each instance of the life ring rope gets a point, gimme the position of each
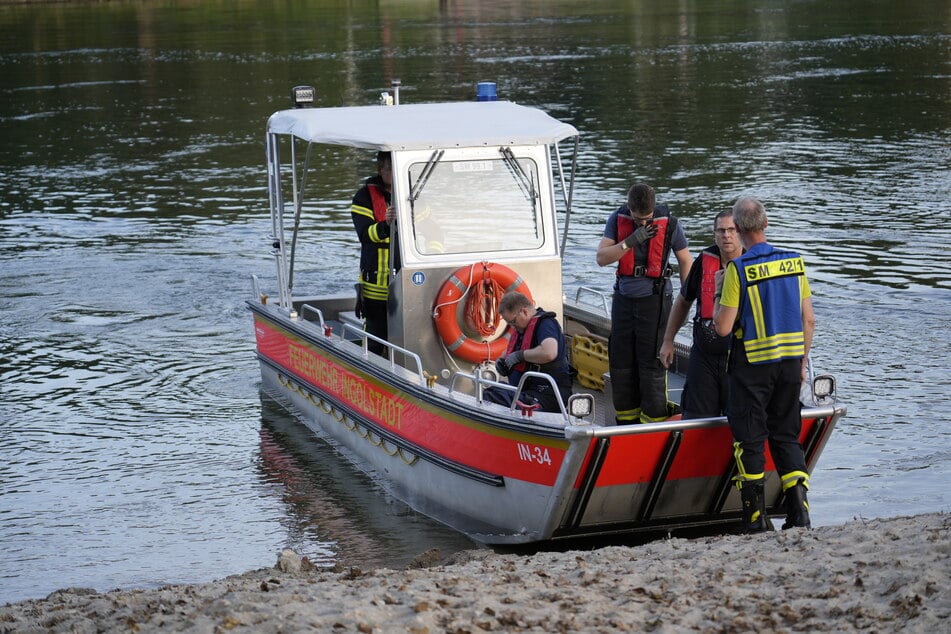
(482, 307)
(448, 323)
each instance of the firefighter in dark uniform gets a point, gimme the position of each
(640, 236)
(536, 343)
(705, 390)
(763, 300)
(372, 214)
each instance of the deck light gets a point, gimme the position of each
(303, 96)
(823, 387)
(580, 405)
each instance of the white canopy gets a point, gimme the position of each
(423, 126)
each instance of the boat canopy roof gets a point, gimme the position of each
(423, 126)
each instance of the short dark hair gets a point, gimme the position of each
(640, 199)
(512, 301)
(382, 158)
(722, 214)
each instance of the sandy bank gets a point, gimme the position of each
(879, 575)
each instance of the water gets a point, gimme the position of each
(135, 448)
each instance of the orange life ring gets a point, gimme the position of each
(449, 299)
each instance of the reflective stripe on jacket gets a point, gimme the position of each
(771, 303)
(375, 257)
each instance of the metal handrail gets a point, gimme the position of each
(390, 347)
(305, 308)
(551, 381)
(481, 381)
(255, 287)
(679, 425)
(602, 295)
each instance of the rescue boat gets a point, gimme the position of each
(496, 177)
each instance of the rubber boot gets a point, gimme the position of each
(754, 508)
(797, 507)
(627, 407)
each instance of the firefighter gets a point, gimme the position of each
(763, 300)
(705, 389)
(640, 236)
(372, 214)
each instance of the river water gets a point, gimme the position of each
(135, 448)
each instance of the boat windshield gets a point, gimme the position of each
(471, 206)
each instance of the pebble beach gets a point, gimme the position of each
(880, 575)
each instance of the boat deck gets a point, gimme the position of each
(604, 407)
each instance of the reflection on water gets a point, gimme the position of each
(336, 513)
(135, 447)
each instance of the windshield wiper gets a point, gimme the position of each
(416, 190)
(525, 182)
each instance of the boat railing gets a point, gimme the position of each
(256, 294)
(681, 425)
(307, 308)
(255, 286)
(482, 382)
(599, 294)
(477, 378)
(391, 350)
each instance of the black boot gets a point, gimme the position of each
(797, 507)
(754, 508)
(622, 383)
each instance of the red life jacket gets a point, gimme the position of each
(379, 202)
(526, 340)
(658, 248)
(710, 264)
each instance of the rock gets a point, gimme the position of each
(427, 559)
(289, 561)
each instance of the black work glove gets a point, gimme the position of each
(515, 358)
(502, 367)
(642, 235)
(358, 308)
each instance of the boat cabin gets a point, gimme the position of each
(476, 209)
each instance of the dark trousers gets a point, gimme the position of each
(375, 323)
(638, 378)
(536, 392)
(764, 406)
(705, 389)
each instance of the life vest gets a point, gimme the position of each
(379, 202)
(709, 265)
(525, 342)
(770, 313)
(705, 336)
(658, 247)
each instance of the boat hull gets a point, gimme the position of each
(487, 471)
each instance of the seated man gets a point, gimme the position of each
(536, 343)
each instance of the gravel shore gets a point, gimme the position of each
(882, 575)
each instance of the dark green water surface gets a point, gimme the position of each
(135, 449)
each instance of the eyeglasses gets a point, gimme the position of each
(720, 231)
(640, 222)
(512, 320)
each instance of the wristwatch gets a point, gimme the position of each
(624, 246)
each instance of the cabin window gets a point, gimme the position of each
(471, 206)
